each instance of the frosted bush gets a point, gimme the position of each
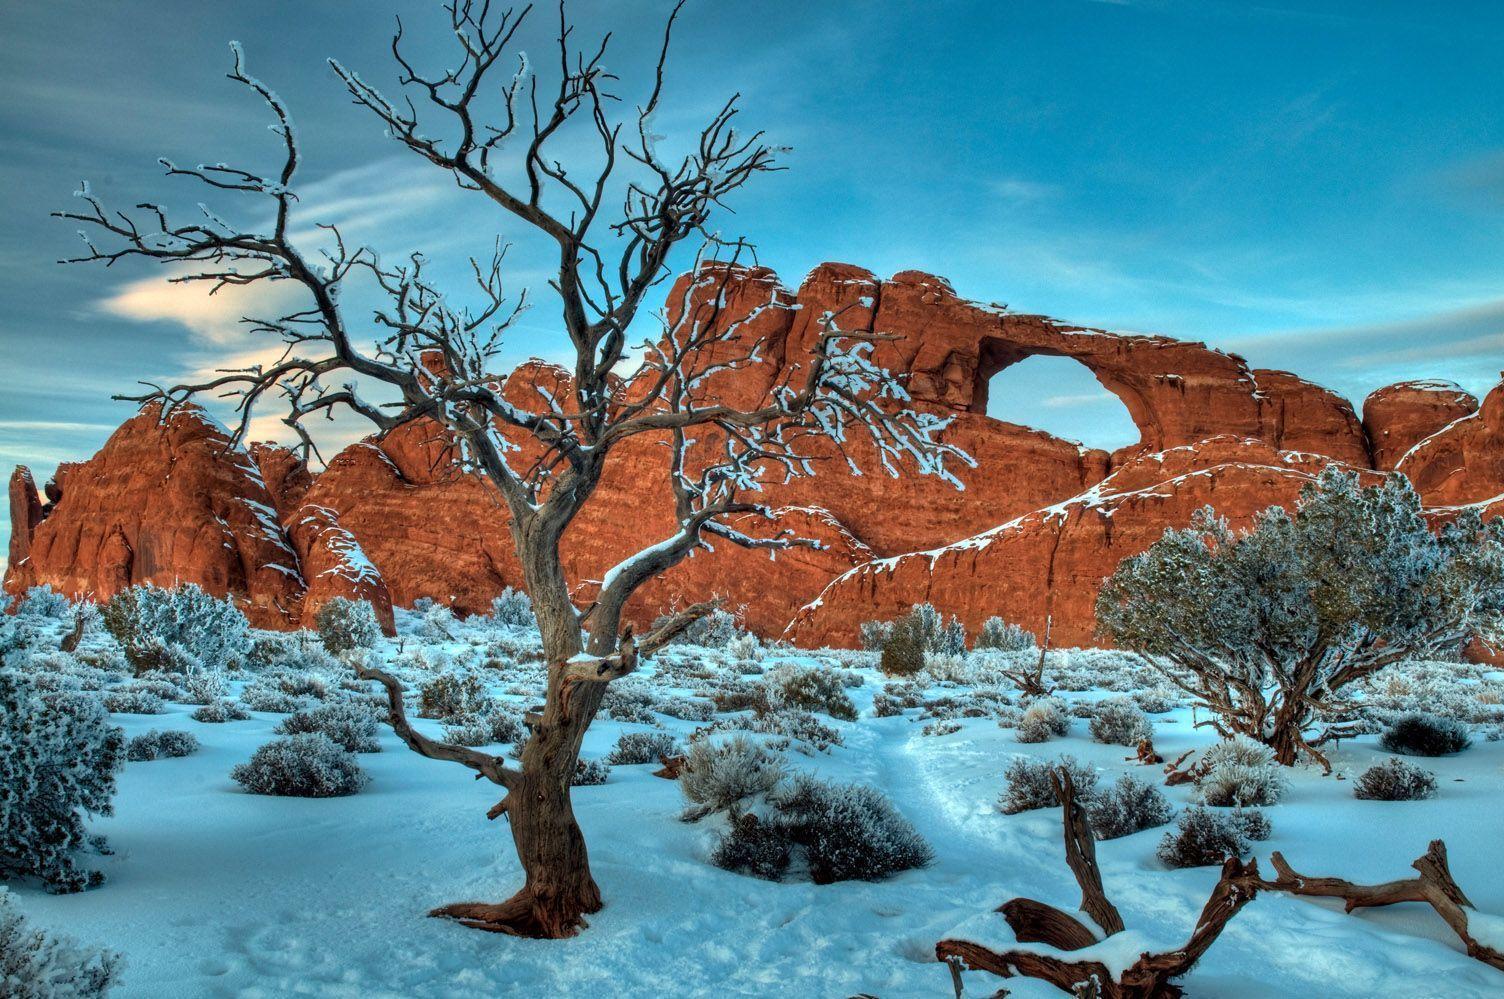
(43, 602)
(301, 766)
(643, 747)
(1120, 722)
(144, 619)
(59, 756)
(874, 634)
(715, 630)
(1156, 700)
(1127, 806)
(903, 649)
(36, 964)
(792, 723)
(625, 702)
(219, 711)
(720, 776)
(1204, 837)
(1240, 772)
(299, 652)
(1042, 719)
(134, 701)
(452, 695)
(351, 724)
(347, 625)
(754, 847)
(812, 689)
(1029, 785)
(588, 773)
(435, 622)
(685, 708)
(1395, 780)
(272, 699)
(744, 648)
(160, 745)
(496, 725)
(514, 609)
(848, 831)
(999, 634)
(1418, 734)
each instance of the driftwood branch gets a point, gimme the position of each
(1081, 855)
(1435, 886)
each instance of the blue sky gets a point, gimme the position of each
(1318, 186)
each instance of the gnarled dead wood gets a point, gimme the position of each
(1435, 887)
(1146, 754)
(1035, 922)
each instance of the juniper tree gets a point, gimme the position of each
(1267, 627)
(510, 135)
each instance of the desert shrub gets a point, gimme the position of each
(36, 964)
(1395, 780)
(1045, 717)
(497, 725)
(1240, 773)
(625, 702)
(1417, 734)
(720, 776)
(296, 653)
(220, 711)
(133, 700)
(1003, 636)
(903, 649)
(715, 630)
(160, 745)
(59, 755)
(873, 635)
(514, 608)
(1119, 722)
(752, 846)
(1204, 837)
(1029, 785)
(143, 619)
(452, 695)
(812, 689)
(685, 708)
(793, 723)
(588, 773)
(848, 831)
(1127, 806)
(643, 747)
(310, 765)
(43, 601)
(350, 724)
(885, 705)
(1156, 700)
(347, 625)
(272, 699)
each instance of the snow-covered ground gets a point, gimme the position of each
(212, 891)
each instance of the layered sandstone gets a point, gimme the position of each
(1398, 417)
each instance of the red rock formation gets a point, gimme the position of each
(1051, 563)
(1398, 417)
(390, 520)
(1464, 461)
(166, 503)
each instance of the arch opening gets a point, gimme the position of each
(1058, 395)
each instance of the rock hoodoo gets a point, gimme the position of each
(1040, 522)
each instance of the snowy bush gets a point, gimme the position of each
(685, 708)
(35, 964)
(146, 618)
(310, 765)
(903, 649)
(514, 609)
(133, 700)
(1417, 734)
(350, 724)
(1156, 700)
(1297, 608)
(874, 634)
(643, 747)
(452, 695)
(220, 711)
(1029, 785)
(812, 689)
(299, 652)
(59, 755)
(1127, 806)
(588, 773)
(1395, 780)
(1204, 837)
(44, 602)
(754, 847)
(1119, 722)
(1045, 717)
(272, 699)
(719, 776)
(627, 703)
(160, 745)
(848, 831)
(347, 625)
(497, 725)
(715, 630)
(793, 723)
(999, 634)
(1239, 773)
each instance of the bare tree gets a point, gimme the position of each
(545, 460)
